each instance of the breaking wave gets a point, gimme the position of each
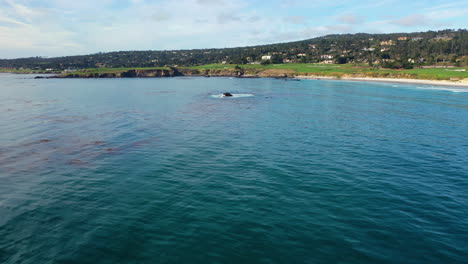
(233, 95)
(441, 88)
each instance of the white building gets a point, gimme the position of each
(326, 56)
(266, 57)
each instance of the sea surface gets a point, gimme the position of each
(167, 171)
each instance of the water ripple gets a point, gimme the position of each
(130, 171)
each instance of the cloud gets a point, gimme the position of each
(298, 20)
(329, 29)
(65, 27)
(412, 21)
(448, 13)
(311, 32)
(435, 16)
(288, 3)
(446, 6)
(350, 19)
(161, 16)
(20, 9)
(419, 20)
(254, 19)
(210, 2)
(225, 18)
(11, 21)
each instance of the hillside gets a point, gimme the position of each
(397, 50)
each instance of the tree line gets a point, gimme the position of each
(396, 50)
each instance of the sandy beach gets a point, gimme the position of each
(392, 80)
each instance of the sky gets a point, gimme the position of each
(52, 28)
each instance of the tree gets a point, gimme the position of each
(341, 60)
(276, 59)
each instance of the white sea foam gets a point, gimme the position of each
(233, 95)
(441, 88)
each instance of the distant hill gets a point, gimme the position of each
(396, 50)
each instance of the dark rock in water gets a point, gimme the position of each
(227, 94)
(39, 77)
(284, 76)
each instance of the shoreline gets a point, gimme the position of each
(461, 84)
(387, 80)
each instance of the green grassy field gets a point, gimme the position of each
(298, 69)
(340, 70)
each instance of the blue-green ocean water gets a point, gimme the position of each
(162, 171)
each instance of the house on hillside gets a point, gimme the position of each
(313, 46)
(301, 55)
(403, 38)
(387, 43)
(327, 62)
(266, 57)
(326, 56)
(442, 38)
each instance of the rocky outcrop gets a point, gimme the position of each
(135, 73)
(277, 73)
(172, 72)
(150, 73)
(212, 72)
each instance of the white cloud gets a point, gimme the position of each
(446, 6)
(299, 20)
(350, 19)
(448, 13)
(66, 27)
(11, 21)
(412, 21)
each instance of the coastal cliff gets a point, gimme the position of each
(310, 71)
(212, 72)
(142, 73)
(134, 73)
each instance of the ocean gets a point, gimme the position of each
(165, 170)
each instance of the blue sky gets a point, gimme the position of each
(64, 27)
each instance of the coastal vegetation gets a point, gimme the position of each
(286, 70)
(433, 55)
(395, 51)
